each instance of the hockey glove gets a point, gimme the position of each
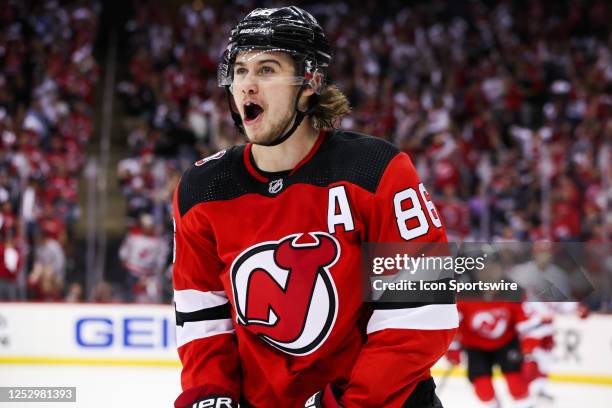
(547, 343)
(583, 311)
(454, 356)
(530, 369)
(213, 401)
(205, 397)
(326, 398)
(528, 344)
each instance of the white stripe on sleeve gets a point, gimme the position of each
(539, 332)
(199, 330)
(191, 300)
(428, 317)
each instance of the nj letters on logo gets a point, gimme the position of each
(284, 292)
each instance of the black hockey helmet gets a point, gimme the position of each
(286, 29)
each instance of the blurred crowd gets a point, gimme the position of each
(505, 107)
(47, 80)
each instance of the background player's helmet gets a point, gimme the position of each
(287, 29)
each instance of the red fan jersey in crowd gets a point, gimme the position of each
(143, 253)
(268, 284)
(456, 217)
(10, 261)
(489, 325)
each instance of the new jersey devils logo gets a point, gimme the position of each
(490, 324)
(284, 292)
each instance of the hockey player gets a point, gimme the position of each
(538, 365)
(269, 308)
(491, 333)
(543, 282)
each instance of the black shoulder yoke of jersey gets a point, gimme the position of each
(349, 156)
(212, 180)
(342, 157)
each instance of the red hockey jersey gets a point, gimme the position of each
(267, 277)
(490, 325)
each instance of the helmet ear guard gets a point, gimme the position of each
(313, 78)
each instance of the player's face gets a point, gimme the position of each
(543, 258)
(264, 89)
(492, 272)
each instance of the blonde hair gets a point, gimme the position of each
(331, 105)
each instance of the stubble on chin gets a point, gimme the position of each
(267, 136)
(260, 138)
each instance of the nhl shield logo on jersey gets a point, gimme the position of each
(275, 186)
(284, 292)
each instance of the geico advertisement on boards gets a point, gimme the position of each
(73, 331)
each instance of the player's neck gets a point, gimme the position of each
(288, 154)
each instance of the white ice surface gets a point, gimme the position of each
(457, 393)
(155, 387)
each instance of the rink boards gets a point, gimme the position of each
(143, 335)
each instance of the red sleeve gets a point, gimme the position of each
(403, 343)
(205, 333)
(532, 324)
(456, 344)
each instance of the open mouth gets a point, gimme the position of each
(252, 111)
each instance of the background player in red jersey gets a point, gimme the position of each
(269, 307)
(493, 333)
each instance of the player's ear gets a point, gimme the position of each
(308, 91)
(304, 98)
(313, 86)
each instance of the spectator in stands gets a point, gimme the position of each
(143, 254)
(103, 293)
(49, 258)
(47, 78)
(45, 286)
(10, 260)
(74, 293)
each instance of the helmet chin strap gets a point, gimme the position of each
(299, 116)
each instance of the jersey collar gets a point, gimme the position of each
(264, 176)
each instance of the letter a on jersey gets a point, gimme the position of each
(284, 292)
(339, 210)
